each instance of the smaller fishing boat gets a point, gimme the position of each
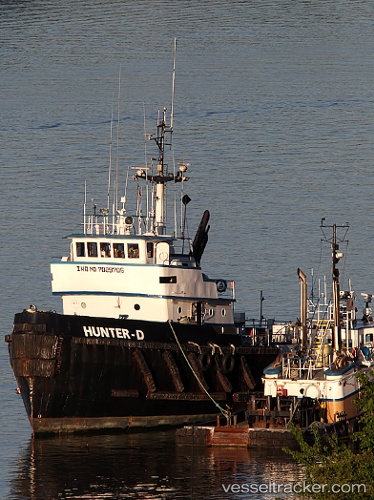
(316, 381)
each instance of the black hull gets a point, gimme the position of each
(81, 373)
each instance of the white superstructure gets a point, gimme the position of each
(139, 278)
(127, 266)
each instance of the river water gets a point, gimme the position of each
(274, 111)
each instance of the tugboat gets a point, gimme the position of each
(315, 384)
(146, 338)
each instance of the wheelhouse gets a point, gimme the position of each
(119, 250)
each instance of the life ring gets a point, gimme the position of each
(228, 363)
(312, 391)
(205, 360)
(221, 286)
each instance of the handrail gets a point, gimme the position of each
(301, 364)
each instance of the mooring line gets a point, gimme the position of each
(225, 413)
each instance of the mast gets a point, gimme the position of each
(336, 256)
(162, 176)
(303, 306)
(173, 85)
(335, 292)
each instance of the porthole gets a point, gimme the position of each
(223, 312)
(83, 305)
(136, 307)
(179, 310)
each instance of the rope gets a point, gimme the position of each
(225, 413)
(293, 413)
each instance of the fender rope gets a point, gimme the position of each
(225, 413)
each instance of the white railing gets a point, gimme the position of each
(298, 368)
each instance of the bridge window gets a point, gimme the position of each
(133, 251)
(105, 249)
(92, 249)
(119, 250)
(150, 250)
(80, 249)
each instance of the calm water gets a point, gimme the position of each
(141, 466)
(274, 111)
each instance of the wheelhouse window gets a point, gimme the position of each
(79, 248)
(133, 251)
(150, 247)
(119, 250)
(92, 249)
(105, 249)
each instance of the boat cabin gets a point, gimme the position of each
(129, 251)
(124, 250)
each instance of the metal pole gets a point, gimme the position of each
(335, 292)
(303, 306)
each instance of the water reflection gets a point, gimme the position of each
(146, 466)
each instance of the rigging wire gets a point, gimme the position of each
(225, 413)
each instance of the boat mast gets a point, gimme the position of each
(162, 176)
(303, 306)
(336, 256)
(335, 292)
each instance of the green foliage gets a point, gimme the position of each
(366, 404)
(333, 466)
(331, 463)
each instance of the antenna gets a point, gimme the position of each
(110, 156)
(175, 216)
(146, 136)
(117, 147)
(173, 85)
(85, 207)
(124, 198)
(175, 202)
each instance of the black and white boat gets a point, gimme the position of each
(146, 338)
